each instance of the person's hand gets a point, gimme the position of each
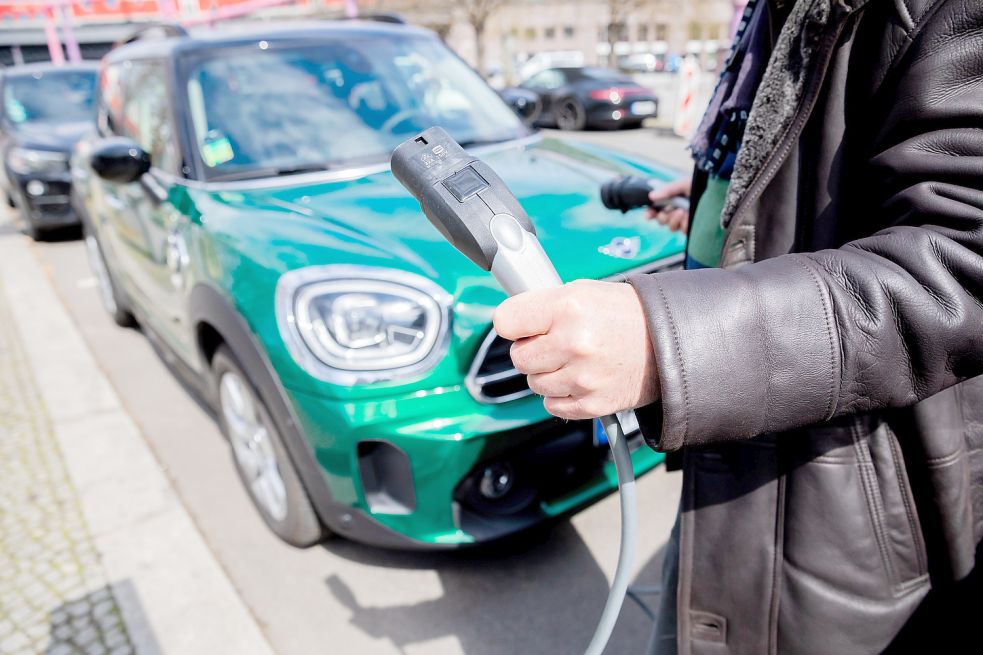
(585, 347)
(673, 218)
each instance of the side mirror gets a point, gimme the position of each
(119, 159)
(526, 104)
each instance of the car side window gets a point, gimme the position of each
(110, 107)
(547, 79)
(146, 118)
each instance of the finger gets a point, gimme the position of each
(669, 190)
(524, 315)
(538, 354)
(662, 217)
(550, 385)
(566, 407)
(677, 220)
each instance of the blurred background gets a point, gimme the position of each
(507, 41)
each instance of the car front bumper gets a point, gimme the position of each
(415, 464)
(45, 199)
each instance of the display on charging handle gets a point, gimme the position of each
(474, 210)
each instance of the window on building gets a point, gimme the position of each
(661, 32)
(695, 31)
(549, 33)
(530, 33)
(568, 31)
(643, 32)
(618, 32)
(714, 31)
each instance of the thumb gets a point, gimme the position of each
(669, 190)
(525, 315)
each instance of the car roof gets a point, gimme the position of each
(245, 33)
(24, 70)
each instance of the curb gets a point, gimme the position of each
(173, 594)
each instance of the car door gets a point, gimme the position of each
(545, 83)
(154, 232)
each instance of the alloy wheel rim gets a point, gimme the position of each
(252, 446)
(101, 273)
(568, 114)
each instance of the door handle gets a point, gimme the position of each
(176, 258)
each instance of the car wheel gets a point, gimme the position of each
(570, 114)
(260, 455)
(112, 300)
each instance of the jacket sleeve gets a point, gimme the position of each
(884, 321)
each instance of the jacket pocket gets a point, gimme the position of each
(890, 503)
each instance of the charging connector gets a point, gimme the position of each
(475, 211)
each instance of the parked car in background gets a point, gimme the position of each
(580, 97)
(642, 62)
(238, 202)
(45, 110)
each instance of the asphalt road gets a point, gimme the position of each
(538, 594)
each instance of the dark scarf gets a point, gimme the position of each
(721, 131)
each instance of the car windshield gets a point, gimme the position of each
(50, 96)
(276, 110)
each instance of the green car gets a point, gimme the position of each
(237, 202)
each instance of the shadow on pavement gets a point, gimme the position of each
(492, 602)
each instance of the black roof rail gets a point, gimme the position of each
(382, 17)
(153, 31)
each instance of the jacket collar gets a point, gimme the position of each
(782, 103)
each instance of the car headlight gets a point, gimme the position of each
(356, 324)
(25, 161)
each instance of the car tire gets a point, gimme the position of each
(570, 114)
(113, 301)
(260, 455)
(32, 230)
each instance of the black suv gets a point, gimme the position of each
(46, 109)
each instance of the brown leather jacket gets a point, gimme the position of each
(824, 385)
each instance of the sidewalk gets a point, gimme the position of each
(97, 553)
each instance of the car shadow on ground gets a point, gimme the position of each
(492, 602)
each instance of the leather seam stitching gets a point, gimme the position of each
(865, 468)
(682, 364)
(829, 336)
(905, 491)
(938, 462)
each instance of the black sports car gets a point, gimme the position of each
(575, 98)
(45, 110)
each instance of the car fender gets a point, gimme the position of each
(209, 307)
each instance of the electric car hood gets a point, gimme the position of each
(51, 135)
(373, 221)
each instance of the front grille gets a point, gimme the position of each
(492, 378)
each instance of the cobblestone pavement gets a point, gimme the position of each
(54, 596)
